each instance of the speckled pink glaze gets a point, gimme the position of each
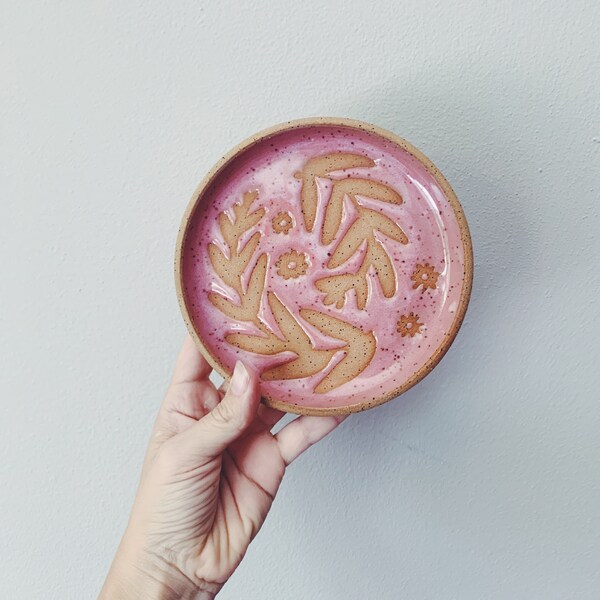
(426, 217)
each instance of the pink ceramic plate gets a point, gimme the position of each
(332, 257)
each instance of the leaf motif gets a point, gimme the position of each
(221, 266)
(371, 188)
(250, 301)
(256, 284)
(352, 187)
(334, 211)
(229, 233)
(249, 249)
(337, 286)
(308, 359)
(362, 229)
(379, 259)
(367, 222)
(305, 365)
(242, 209)
(257, 344)
(244, 219)
(309, 198)
(359, 350)
(247, 200)
(384, 224)
(253, 218)
(353, 239)
(289, 327)
(319, 166)
(226, 306)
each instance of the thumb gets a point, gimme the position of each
(211, 435)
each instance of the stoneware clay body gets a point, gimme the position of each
(332, 257)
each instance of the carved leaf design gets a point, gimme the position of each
(304, 365)
(308, 360)
(336, 286)
(249, 301)
(319, 166)
(230, 269)
(233, 311)
(228, 231)
(244, 220)
(256, 285)
(380, 261)
(291, 337)
(249, 249)
(359, 350)
(289, 327)
(335, 209)
(352, 187)
(380, 222)
(356, 235)
(269, 344)
(367, 222)
(362, 229)
(220, 264)
(336, 161)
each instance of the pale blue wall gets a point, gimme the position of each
(481, 482)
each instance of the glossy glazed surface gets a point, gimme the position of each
(423, 289)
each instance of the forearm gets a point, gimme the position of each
(136, 577)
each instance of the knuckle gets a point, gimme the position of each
(225, 414)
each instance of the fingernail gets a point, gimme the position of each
(239, 380)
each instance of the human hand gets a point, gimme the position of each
(210, 474)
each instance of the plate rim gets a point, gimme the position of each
(467, 279)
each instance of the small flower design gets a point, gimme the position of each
(282, 222)
(426, 276)
(409, 325)
(292, 264)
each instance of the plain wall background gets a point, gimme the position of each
(481, 482)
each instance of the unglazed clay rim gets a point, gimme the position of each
(467, 280)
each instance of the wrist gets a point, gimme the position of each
(141, 575)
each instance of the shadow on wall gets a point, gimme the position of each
(477, 142)
(474, 137)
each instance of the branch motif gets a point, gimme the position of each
(352, 187)
(231, 268)
(320, 166)
(308, 361)
(360, 233)
(358, 349)
(362, 230)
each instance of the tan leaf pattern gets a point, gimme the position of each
(362, 230)
(291, 336)
(352, 187)
(320, 166)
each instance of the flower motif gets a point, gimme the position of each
(292, 264)
(409, 325)
(282, 222)
(426, 276)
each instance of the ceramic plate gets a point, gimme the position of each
(332, 257)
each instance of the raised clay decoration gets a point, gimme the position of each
(329, 255)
